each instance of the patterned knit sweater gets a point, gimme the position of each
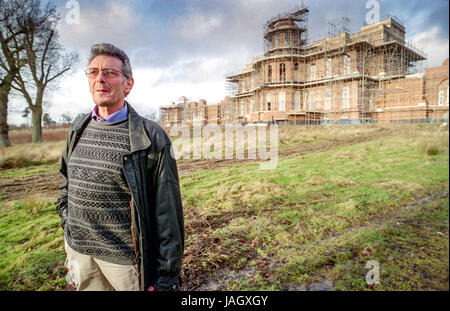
(99, 215)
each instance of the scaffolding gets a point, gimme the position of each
(370, 76)
(346, 78)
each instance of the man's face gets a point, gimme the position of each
(108, 91)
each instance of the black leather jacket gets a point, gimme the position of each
(156, 209)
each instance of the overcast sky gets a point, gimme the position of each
(187, 47)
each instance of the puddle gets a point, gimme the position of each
(224, 276)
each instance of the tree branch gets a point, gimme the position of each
(44, 54)
(22, 88)
(56, 76)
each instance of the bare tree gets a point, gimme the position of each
(48, 121)
(12, 16)
(66, 118)
(46, 61)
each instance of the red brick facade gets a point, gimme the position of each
(361, 77)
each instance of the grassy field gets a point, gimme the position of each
(338, 198)
(24, 136)
(23, 153)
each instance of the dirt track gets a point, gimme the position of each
(187, 167)
(42, 186)
(46, 185)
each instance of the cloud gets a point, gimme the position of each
(186, 47)
(116, 22)
(197, 26)
(433, 44)
(418, 16)
(439, 18)
(193, 71)
(149, 93)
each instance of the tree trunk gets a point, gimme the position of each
(5, 87)
(36, 117)
(4, 138)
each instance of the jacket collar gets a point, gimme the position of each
(139, 139)
(81, 122)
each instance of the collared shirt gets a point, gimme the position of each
(120, 115)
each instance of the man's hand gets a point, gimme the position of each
(152, 289)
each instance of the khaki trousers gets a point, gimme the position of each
(87, 273)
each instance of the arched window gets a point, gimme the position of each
(345, 97)
(268, 101)
(282, 101)
(346, 65)
(296, 72)
(327, 99)
(282, 72)
(297, 101)
(441, 98)
(312, 73)
(269, 73)
(311, 103)
(296, 39)
(305, 101)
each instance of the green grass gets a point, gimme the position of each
(412, 253)
(282, 214)
(31, 247)
(29, 171)
(317, 216)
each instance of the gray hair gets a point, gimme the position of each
(110, 50)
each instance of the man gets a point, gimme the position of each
(120, 202)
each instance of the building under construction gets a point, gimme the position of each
(371, 76)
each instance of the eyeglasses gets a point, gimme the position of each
(107, 72)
